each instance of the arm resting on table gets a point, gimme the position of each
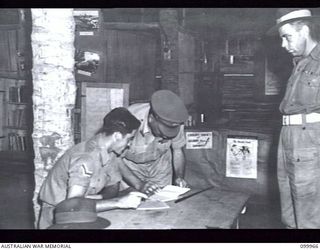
(127, 201)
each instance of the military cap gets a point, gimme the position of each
(169, 110)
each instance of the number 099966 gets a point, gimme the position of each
(308, 245)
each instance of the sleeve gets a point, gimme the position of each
(180, 140)
(80, 171)
(114, 172)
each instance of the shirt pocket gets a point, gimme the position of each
(140, 154)
(308, 88)
(146, 153)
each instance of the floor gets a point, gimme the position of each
(16, 191)
(261, 216)
(16, 201)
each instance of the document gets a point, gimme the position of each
(169, 193)
(152, 205)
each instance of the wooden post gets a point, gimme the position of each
(54, 89)
(170, 45)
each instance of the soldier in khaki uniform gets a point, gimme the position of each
(299, 144)
(87, 169)
(155, 157)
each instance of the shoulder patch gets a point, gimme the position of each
(85, 170)
(83, 162)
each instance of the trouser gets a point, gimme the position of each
(46, 216)
(299, 175)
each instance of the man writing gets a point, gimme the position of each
(156, 158)
(87, 169)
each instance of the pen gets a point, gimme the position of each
(190, 195)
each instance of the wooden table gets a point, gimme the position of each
(213, 208)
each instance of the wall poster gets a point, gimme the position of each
(87, 21)
(86, 62)
(197, 140)
(242, 154)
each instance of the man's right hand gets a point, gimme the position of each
(150, 188)
(131, 200)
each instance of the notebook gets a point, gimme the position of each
(169, 193)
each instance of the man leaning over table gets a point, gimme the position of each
(87, 169)
(156, 157)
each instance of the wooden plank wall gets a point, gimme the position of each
(131, 58)
(186, 67)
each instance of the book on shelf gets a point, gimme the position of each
(17, 141)
(13, 94)
(19, 94)
(17, 118)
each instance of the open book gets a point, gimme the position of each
(157, 200)
(169, 193)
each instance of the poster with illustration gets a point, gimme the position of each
(87, 21)
(242, 154)
(86, 62)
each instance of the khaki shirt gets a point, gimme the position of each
(149, 156)
(303, 89)
(85, 165)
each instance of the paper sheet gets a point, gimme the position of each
(152, 205)
(169, 193)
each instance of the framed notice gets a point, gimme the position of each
(242, 157)
(97, 100)
(86, 62)
(199, 140)
(87, 21)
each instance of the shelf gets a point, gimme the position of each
(15, 155)
(17, 103)
(23, 161)
(16, 128)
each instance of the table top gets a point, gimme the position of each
(213, 208)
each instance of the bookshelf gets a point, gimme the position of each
(15, 87)
(15, 131)
(244, 102)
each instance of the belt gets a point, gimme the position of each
(299, 119)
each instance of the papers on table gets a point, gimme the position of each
(169, 193)
(157, 200)
(152, 205)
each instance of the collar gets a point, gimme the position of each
(144, 128)
(315, 53)
(92, 145)
(104, 157)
